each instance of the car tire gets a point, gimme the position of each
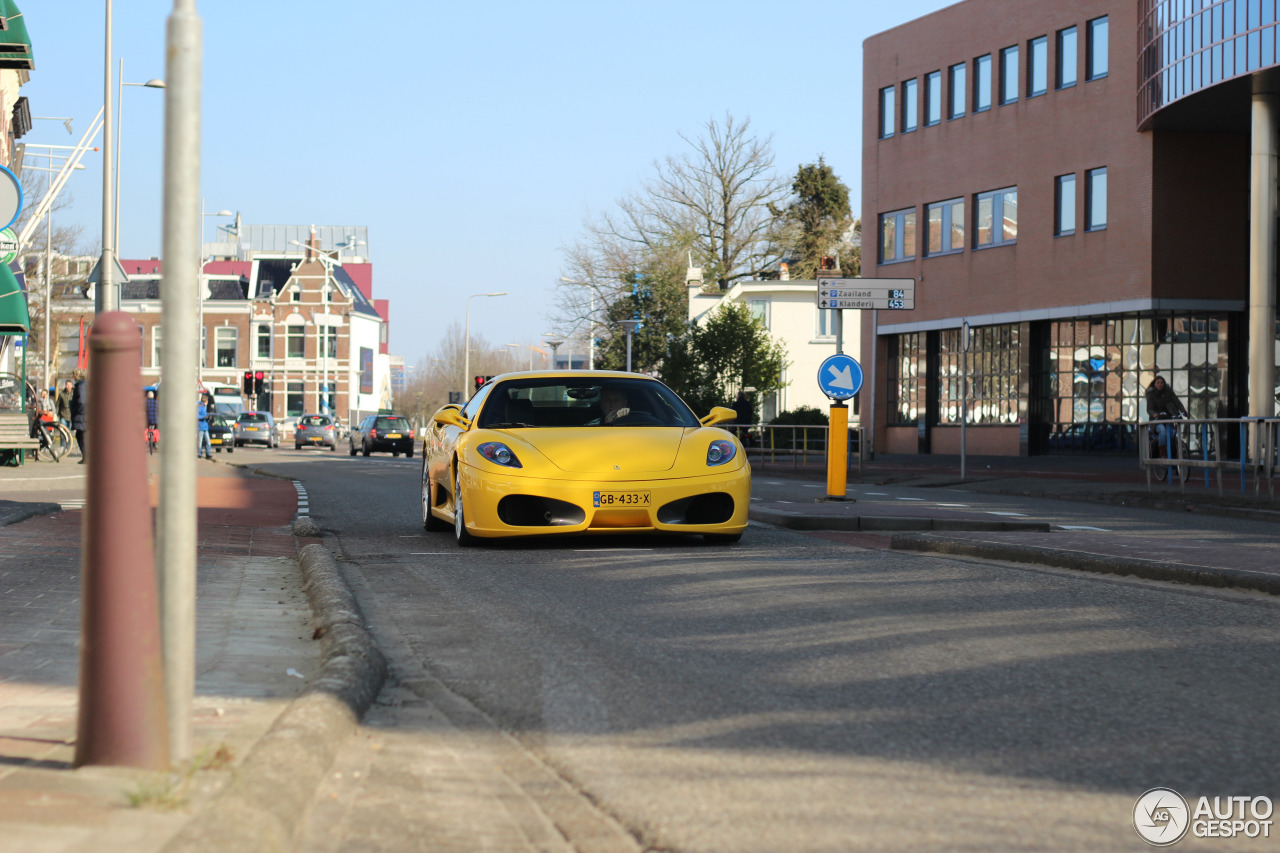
(364, 450)
(460, 533)
(721, 538)
(333, 447)
(430, 523)
(352, 448)
(409, 453)
(395, 453)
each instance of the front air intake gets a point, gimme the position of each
(532, 511)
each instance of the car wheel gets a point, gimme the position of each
(333, 447)
(395, 453)
(430, 523)
(409, 453)
(721, 538)
(465, 539)
(352, 448)
(364, 450)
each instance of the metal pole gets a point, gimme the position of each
(628, 350)
(107, 297)
(176, 543)
(466, 358)
(48, 294)
(591, 333)
(870, 433)
(115, 240)
(964, 391)
(1263, 209)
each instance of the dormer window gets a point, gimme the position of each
(296, 297)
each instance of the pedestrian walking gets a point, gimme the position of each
(745, 415)
(204, 448)
(63, 403)
(79, 408)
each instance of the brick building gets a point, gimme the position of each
(1073, 181)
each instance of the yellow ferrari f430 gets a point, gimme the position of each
(557, 452)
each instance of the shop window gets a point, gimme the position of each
(906, 372)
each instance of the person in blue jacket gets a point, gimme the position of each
(204, 448)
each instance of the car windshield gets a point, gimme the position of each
(583, 402)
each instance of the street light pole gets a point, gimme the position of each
(153, 83)
(107, 295)
(630, 326)
(591, 321)
(466, 346)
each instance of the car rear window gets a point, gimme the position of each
(392, 423)
(315, 420)
(253, 418)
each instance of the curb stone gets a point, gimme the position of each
(1149, 569)
(263, 806)
(882, 523)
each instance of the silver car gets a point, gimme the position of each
(315, 430)
(256, 428)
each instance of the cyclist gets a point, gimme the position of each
(1162, 405)
(153, 416)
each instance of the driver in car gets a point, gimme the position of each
(613, 405)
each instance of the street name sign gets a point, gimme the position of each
(840, 376)
(891, 294)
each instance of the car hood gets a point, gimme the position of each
(607, 450)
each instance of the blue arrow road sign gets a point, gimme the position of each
(840, 376)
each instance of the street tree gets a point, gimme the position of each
(730, 351)
(659, 300)
(818, 220)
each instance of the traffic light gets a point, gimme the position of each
(248, 382)
(479, 382)
(259, 379)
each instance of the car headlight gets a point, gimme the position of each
(721, 451)
(499, 453)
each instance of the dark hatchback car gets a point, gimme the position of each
(315, 431)
(221, 434)
(382, 434)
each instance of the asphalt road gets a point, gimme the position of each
(791, 692)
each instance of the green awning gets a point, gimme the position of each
(14, 319)
(15, 44)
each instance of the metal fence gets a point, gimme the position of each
(1200, 449)
(804, 445)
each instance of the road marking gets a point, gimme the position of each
(755, 499)
(428, 553)
(910, 499)
(879, 494)
(1082, 527)
(965, 505)
(1018, 514)
(592, 550)
(811, 486)
(72, 504)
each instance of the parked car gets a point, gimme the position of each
(315, 431)
(381, 434)
(221, 434)
(256, 428)
(548, 453)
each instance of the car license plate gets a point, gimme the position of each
(316, 438)
(215, 441)
(252, 429)
(612, 499)
(393, 435)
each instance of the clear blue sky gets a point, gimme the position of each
(472, 138)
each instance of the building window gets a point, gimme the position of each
(992, 367)
(826, 323)
(157, 339)
(944, 227)
(1068, 60)
(982, 83)
(204, 346)
(1096, 49)
(888, 112)
(295, 341)
(328, 341)
(898, 236)
(910, 106)
(996, 218)
(759, 309)
(1064, 194)
(295, 399)
(1009, 75)
(905, 375)
(264, 341)
(225, 341)
(957, 83)
(1095, 199)
(1037, 66)
(932, 97)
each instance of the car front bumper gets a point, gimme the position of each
(496, 505)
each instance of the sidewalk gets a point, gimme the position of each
(1242, 561)
(254, 654)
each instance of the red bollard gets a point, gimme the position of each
(122, 716)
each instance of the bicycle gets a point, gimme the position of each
(55, 439)
(1176, 445)
(153, 439)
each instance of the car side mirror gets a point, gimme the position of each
(449, 416)
(718, 415)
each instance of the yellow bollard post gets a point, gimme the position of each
(838, 452)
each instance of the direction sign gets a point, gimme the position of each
(840, 376)
(884, 293)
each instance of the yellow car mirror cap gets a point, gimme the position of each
(449, 416)
(718, 415)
